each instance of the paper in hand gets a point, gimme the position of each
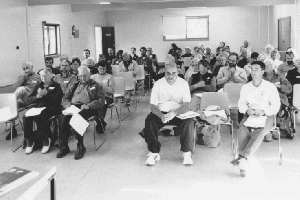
(5, 114)
(187, 115)
(71, 110)
(254, 121)
(34, 111)
(79, 123)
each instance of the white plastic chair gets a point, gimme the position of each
(120, 92)
(115, 69)
(9, 100)
(218, 99)
(233, 91)
(296, 102)
(129, 82)
(140, 76)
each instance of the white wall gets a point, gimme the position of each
(51, 14)
(85, 22)
(13, 33)
(279, 11)
(230, 24)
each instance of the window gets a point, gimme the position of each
(185, 27)
(51, 39)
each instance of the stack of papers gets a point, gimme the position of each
(211, 107)
(34, 111)
(255, 122)
(79, 123)
(5, 114)
(198, 94)
(187, 115)
(220, 113)
(71, 110)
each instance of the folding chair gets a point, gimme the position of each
(115, 69)
(233, 93)
(111, 107)
(129, 82)
(92, 121)
(120, 92)
(276, 129)
(140, 76)
(296, 102)
(218, 99)
(9, 100)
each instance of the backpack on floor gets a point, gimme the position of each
(285, 123)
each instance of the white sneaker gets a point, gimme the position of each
(187, 158)
(45, 149)
(152, 158)
(29, 150)
(243, 166)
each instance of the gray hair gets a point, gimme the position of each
(83, 68)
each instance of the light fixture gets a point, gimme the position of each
(104, 3)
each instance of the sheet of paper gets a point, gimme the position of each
(187, 115)
(71, 110)
(198, 94)
(34, 111)
(167, 127)
(212, 107)
(79, 123)
(220, 113)
(254, 121)
(5, 114)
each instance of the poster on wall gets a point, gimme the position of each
(197, 27)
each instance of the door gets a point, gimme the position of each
(284, 33)
(108, 39)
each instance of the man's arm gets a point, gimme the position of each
(242, 103)
(213, 85)
(286, 86)
(66, 100)
(240, 77)
(221, 78)
(185, 107)
(274, 99)
(20, 81)
(100, 98)
(280, 69)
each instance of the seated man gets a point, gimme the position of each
(231, 73)
(203, 81)
(257, 98)
(88, 95)
(75, 64)
(288, 64)
(24, 86)
(48, 94)
(49, 63)
(171, 90)
(132, 53)
(284, 87)
(147, 62)
(65, 79)
(62, 58)
(293, 76)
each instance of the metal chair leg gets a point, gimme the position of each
(97, 147)
(11, 138)
(111, 109)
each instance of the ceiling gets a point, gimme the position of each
(89, 5)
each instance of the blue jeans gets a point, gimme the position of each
(248, 142)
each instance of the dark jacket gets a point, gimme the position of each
(96, 95)
(147, 62)
(52, 99)
(208, 78)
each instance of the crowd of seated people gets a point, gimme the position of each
(90, 87)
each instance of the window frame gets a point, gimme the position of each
(57, 39)
(191, 39)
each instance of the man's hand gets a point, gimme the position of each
(200, 84)
(84, 107)
(250, 112)
(235, 77)
(170, 115)
(278, 85)
(41, 92)
(258, 112)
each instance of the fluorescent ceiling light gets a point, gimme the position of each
(104, 3)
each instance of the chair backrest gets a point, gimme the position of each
(233, 91)
(119, 86)
(129, 81)
(141, 73)
(9, 100)
(216, 99)
(115, 69)
(296, 96)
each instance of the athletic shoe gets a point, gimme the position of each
(243, 167)
(46, 147)
(29, 148)
(187, 158)
(268, 137)
(152, 158)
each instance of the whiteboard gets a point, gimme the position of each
(174, 27)
(197, 27)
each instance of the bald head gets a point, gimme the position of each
(171, 73)
(27, 67)
(84, 74)
(126, 56)
(63, 57)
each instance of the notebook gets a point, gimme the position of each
(14, 177)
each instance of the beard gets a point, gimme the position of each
(231, 65)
